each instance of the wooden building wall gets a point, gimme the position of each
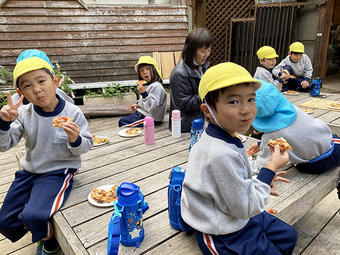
(93, 44)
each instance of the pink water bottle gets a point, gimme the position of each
(149, 130)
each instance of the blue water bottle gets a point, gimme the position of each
(196, 131)
(317, 84)
(126, 223)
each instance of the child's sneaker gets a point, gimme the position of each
(50, 247)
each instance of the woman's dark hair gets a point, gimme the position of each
(156, 76)
(198, 38)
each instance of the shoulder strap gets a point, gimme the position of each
(113, 237)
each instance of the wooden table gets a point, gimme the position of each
(82, 228)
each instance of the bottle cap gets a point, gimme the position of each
(148, 121)
(197, 124)
(176, 115)
(127, 193)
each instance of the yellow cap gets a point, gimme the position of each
(148, 60)
(224, 75)
(27, 65)
(297, 47)
(266, 52)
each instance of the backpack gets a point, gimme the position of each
(174, 199)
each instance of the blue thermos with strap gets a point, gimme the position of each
(317, 84)
(126, 224)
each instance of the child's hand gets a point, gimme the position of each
(140, 88)
(10, 111)
(278, 159)
(132, 107)
(72, 131)
(284, 76)
(253, 149)
(304, 84)
(275, 179)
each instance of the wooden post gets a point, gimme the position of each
(322, 39)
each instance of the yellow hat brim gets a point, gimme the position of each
(150, 61)
(225, 75)
(28, 65)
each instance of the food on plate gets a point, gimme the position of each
(60, 121)
(141, 82)
(99, 140)
(132, 131)
(291, 92)
(284, 145)
(238, 136)
(307, 110)
(102, 196)
(335, 105)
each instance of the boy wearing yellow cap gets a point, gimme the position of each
(267, 59)
(295, 70)
(220, 200)
(152, 101)
(52, 154)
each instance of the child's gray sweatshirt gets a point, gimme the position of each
(309, 138)
(303, 68)
(47, 148)
(153, 101)
(219, 195)
(264, 74)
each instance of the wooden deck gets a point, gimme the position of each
(82, 228)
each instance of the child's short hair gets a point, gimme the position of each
(266, 52)
(150, 61)
(29, 64)
(297, 47)
(198, 38)
(222, 76)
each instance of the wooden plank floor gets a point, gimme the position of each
(318, 231)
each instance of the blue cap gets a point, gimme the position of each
(34, 53)
(197, 124)
(274, 111)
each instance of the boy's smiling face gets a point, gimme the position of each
(295, 57)
(39, 88)
(235, 108)
(268, 63)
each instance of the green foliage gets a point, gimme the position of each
(6, 75)
(65, 80)
(3, 98)
(113, 90)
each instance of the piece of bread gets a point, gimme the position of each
(60, 121)
(141, 82)
(284, 145)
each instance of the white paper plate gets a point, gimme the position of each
(295, 94)
(122, 132)
(98, 144)
(94, 202)
(243, 138)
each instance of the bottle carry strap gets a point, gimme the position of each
(113, 237)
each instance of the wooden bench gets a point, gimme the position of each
(86, 234)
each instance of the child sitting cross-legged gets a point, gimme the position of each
(52, 153)
(220, 200)
(295, 71)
